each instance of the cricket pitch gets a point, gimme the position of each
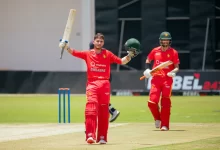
(123, 136)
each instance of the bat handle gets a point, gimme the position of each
(143, 77)
(61, 55)
(62, 49)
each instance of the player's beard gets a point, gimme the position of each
(164, 44)
(98, 47)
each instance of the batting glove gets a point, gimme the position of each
(132, 54)
(147, 73)
(64, 44)
(171, 74)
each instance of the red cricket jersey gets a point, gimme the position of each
(98, 65)
(159, 56)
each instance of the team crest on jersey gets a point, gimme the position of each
(88, 93)
(152, 86)
(168, 55)
(104, 56)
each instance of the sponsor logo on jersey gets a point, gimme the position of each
(97, 70)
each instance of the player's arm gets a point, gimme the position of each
(122, 61)
(176, 69)
(76, 53)
(125, 59)
(69, 50)
(148, 63)
(72, 51)
(147, 72)
(117, 60)
(176, 63)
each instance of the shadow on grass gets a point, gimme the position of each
(170, 130)
(97, 144)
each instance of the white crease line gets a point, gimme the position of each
(9, 134)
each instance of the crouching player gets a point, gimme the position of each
(161, 83)
(98, 62)
(114, 112)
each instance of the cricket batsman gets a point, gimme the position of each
(161, 83)
(98, 62)
(114, 112)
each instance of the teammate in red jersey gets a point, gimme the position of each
(161, 83)
(98, 62)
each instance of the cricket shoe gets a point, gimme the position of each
(115, 115)
(102, 142)
(157, 123)
(164, 128)
(90, 140)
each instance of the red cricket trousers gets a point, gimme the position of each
(96, 111)
(161, 87)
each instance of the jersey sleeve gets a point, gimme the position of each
(79, 54)
(151, 55)
(176, 58)
(114, 58)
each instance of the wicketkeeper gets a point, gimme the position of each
(114, 112)
(98, 62)
(161, 83)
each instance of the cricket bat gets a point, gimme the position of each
(159, 67)
(68, 28)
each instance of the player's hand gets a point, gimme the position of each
(64, 44)
(147, 73)
(171, 74)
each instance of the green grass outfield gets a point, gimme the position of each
(44, 109)
(185, 109)
(207, 144)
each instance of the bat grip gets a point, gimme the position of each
(61, 55)
(62, 49)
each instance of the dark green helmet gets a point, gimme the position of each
(165, 36)
(132, 43)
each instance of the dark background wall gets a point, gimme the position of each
(49, 82)
(145, 20)
(106, 22)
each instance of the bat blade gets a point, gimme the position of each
(69, 25)
(159, 67)
(68, 28)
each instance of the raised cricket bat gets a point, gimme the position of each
(68, 28)
(159, 67)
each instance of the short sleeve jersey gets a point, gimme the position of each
(98, 65)
(159, 56)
